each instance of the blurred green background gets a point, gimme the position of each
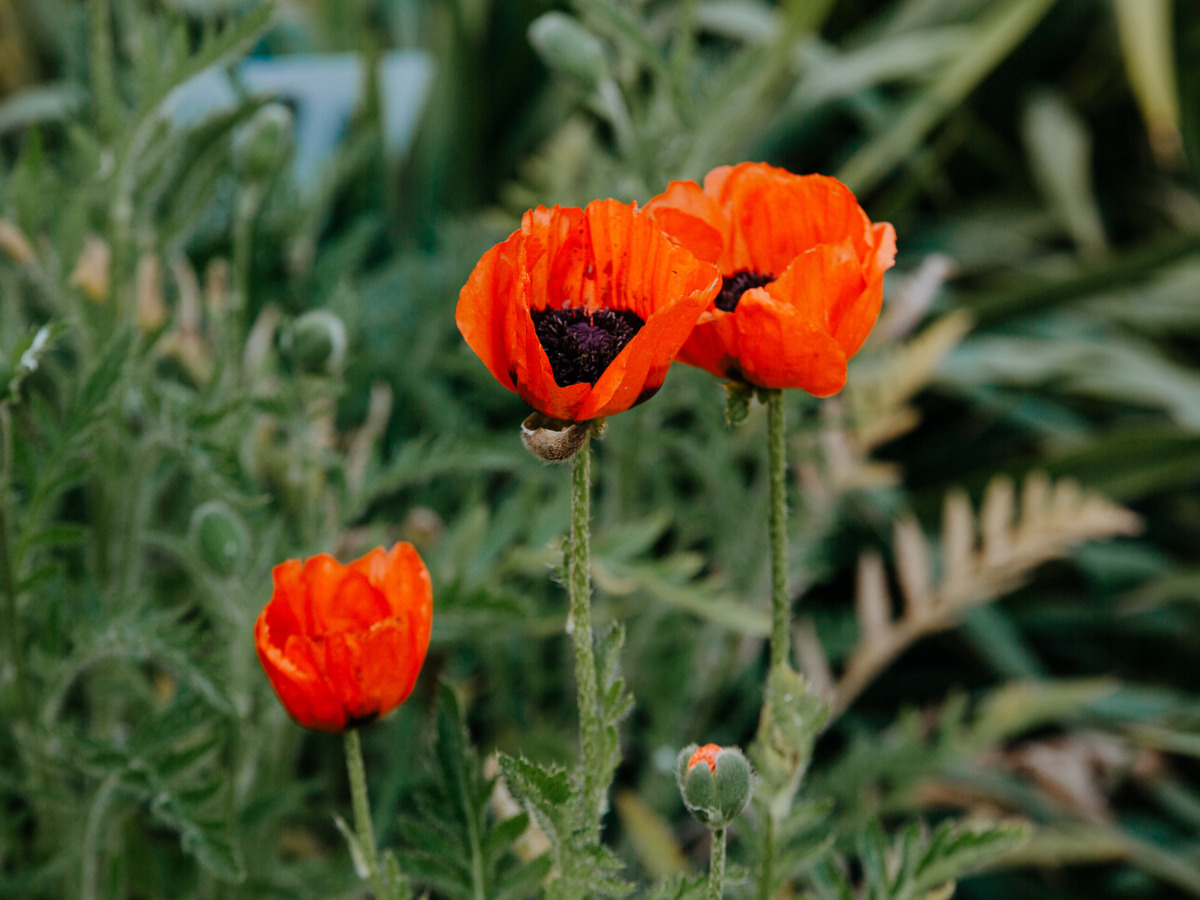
(185, 421)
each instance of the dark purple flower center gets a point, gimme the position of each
(581, 344)
(733, 286)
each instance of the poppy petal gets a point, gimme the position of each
(692, 217)
(298, 680)
(777, 216)
(389, 663)
(790, 349)
(639, 269)
(851, 320)
(490, 327)
(285, 617)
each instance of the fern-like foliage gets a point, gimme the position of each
(916, 864)
(555, 798)
(173, 766)
(454, 843)
(786, 836)
(979, 559)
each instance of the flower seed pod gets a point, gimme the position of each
(716, 783)
(220, 537)
(315, 342)
(555, 440)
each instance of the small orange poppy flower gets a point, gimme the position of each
(581, 311)
(802, 273)
(342, 644)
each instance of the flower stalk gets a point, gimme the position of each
(716, 866)
(363, 828)
(766, 850)
(8, 570)
(579, 627)
(777, 465)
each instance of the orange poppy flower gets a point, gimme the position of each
(802, 274)
(342, 644)
(581, 311)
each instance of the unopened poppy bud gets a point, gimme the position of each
(556, 440)
(566, 46)
(264, 142)
(716, 783)
(220, 537)
(315, 342)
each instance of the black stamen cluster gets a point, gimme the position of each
(737, 284)
(581, 344)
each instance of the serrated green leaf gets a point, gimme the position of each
(872, 853)
(1019, 706)
(956, 850)
(504, 834)
(830, 881)
(523, 880)
(545, 788)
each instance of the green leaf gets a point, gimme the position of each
(995, 36)
(956, 850)
(792, 717)
(545, 789)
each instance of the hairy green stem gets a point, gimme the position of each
(579, 626)
(777, 464)
(98, 826)
(102, 70)
(235, 325)
(7, 571)
(716, 866)
(766, 868)
(363, 828)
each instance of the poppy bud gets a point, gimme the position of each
(716, 783)
(342, 644)
(315, 342)
(220, 537)
(566, 46)
(263, 142)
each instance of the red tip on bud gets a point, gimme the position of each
(707, 753)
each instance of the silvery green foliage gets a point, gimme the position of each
(454, 841)
(916, 864)
(140, 753)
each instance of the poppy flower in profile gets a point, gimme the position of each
(802, 274)
(342, 644)
(581, 311)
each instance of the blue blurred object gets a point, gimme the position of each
(323, 89)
